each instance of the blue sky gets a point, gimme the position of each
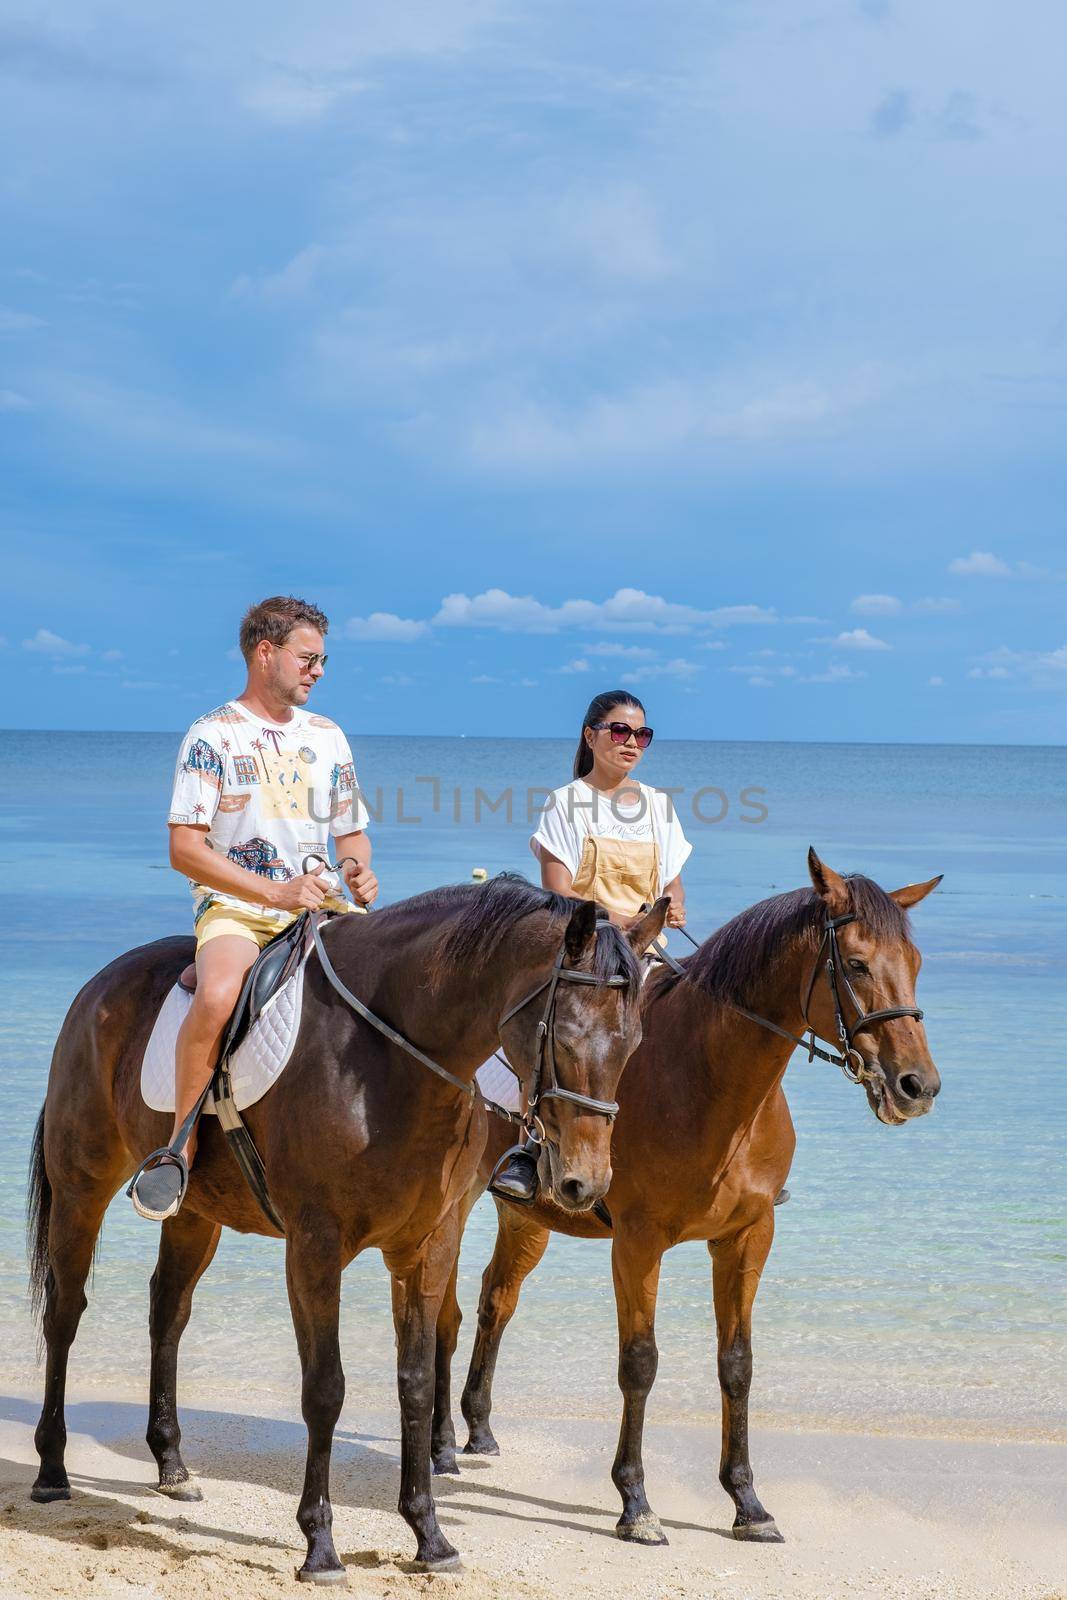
(718, 350)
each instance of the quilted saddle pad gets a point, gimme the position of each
(255, 1065)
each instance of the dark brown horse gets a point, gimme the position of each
(703, 1145)
(363, 1146)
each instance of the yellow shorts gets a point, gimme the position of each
(219, 922)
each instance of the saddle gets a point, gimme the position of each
(272, 968)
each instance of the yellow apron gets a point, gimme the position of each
(620, 874)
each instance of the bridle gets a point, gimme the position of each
(545, 1084)
(851, 1061)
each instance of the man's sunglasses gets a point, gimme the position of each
(621, 731)
(309, 661)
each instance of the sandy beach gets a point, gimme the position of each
(879, 1516)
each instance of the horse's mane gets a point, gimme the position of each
(487, 913)
(733, 960)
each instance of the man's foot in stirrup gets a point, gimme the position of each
(515, 1176)
(158, 1191)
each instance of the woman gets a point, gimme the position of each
(609, 838)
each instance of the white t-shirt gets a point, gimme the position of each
(576, 811)
(269, 793)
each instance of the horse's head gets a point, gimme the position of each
(875, 967)
(571, 1049)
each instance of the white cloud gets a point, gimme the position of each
(678, 668)
(113, 655)
(928, 606)
(980, 564)
(936, 682)
(632, 652)
(292, 97)
(384, 627)
(47, 643)
(11, 400)
(398, 680)
(581, 665)
(627, 608)
(989, 672)
(1056, 659)
(877, 605)
(658, 419)
(759, 682)
(856, 639)
(290, 283)
(834, 674)
(18, 321)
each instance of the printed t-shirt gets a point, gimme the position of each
(269, 793)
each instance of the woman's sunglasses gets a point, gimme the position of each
(621, 731)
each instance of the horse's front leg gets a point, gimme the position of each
(419, 1286)
(313, 1263)
(186, 1245)
(736, 1269)
(635, 1260)
(443, 1430)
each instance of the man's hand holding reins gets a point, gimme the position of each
(305, 893)
(360, 882)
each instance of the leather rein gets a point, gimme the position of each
(545, 1084)
(851, 1061)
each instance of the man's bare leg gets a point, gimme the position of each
(221, 967)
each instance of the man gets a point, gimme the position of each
(260, 784)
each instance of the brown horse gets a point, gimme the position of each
(703, 1145)
(363, 1147)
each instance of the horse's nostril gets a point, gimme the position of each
(911, 1086)
(573, 1191)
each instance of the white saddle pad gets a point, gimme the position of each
(255, 1066)
(499, 1083)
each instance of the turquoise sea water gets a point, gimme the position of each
(918, 1275)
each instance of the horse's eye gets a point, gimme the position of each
(859, 966)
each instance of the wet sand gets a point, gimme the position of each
(896, 1518)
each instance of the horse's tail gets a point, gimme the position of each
(38, 1216)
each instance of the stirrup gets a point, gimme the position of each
(504, 1194)
(164, 1156)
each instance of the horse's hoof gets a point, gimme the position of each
(44, 1495)
(329, 1575)
(758, 1532)
(452, 1563)
(186, 1490)
(645, 1530)
(445, 1464)
(482, 1445)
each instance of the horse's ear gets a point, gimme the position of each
(912, 893)
(830, 886)
(581, 930)
(649, 927)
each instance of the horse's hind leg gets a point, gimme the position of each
(186, 1246)
(735, 1274)
(520, 1243)
(73, 1223)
